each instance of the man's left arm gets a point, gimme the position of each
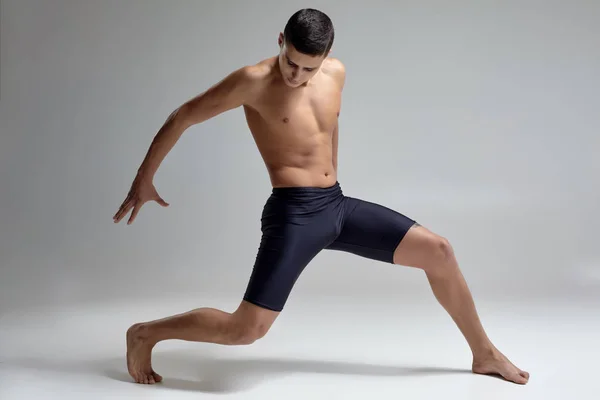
(335, 145)
(341, 79)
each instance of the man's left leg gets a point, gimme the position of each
(376, 232)
(432, 253)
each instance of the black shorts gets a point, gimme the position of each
(298, 222)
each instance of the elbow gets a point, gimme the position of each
(183, 117)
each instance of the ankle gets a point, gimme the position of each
(485, 352)
(142, 331)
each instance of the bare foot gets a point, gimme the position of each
(496, 363)
(139, 352)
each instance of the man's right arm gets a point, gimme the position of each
(231, 92)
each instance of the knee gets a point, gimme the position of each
(248, 333)
(441, 254)
(445, 249)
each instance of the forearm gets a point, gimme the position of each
(161, 145)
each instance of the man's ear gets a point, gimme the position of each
(280, 39)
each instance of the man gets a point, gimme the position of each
(292, 104)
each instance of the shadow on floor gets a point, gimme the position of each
(190, 372)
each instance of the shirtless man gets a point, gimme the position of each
(292, 103)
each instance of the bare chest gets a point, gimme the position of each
(310, 110)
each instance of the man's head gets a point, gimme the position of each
(305, 43)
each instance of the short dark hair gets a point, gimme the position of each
(310, 31)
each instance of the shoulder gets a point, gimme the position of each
(335, 68)
(254, 78)
(257, 72)
(336, 65)
(243, 83)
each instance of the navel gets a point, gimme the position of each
(286, 120)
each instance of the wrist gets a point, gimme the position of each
(144, 174)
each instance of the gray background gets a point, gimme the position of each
(478, 119)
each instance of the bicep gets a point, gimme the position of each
(229, 93)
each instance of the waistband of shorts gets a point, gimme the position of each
(308, 190)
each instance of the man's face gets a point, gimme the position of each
(297, 68)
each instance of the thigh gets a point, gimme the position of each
(371, 230)
(286, 248)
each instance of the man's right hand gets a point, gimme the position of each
(142, 190)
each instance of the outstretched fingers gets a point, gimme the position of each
(135, 201)
(125, 207)
(129, 203)
(134, 213)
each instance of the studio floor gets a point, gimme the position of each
(318, 349)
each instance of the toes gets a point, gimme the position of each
(517, 378)
(151, 378)
(146, 378)
(524, 374)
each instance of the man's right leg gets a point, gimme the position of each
(242, 327)
(296, 226)
(294, 231)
